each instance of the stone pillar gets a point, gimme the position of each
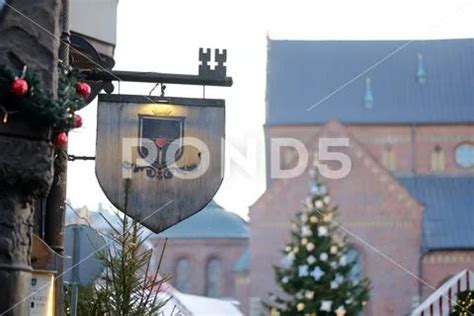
(26, 173)
(29, 36)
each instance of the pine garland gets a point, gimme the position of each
(38, 106)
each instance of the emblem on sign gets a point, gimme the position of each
(159, 159)
(162, 131)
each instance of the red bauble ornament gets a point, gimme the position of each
(60, 140)
(83, 89)
(77, 121)
(19, 87)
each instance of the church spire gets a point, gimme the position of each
(369, 97)
(421, 74)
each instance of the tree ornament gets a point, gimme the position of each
(323, 256)
(296, 249)
(317, 273)
(300, 307)
(83, 90)
(309, 295)
(340, 311)
(303, 271)
(343, 261)
(294, 227)
(284, 280)
(287, 261)
(313, 219)
(310, 246)
(304, 241)
(333, 250)
(322, 231)
(77, 121)
(339, 279)
(328, 217)
(318, 204)
(326, 306)
(334, 285)
(60, 140)
(306, 231)
(19, 87)
(311, 259)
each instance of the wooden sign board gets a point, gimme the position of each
(159, 159)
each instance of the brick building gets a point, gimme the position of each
(204, 250)
(407, 108)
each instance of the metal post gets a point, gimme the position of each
(55, 202)
(76, 254)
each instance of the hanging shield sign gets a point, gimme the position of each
(159, 160)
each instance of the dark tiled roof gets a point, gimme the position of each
(303, 73)
(243, 264)
(448, 221)
(212, 222)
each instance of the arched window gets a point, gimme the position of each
(183, 283)
(214, 275)
(438, 159)
(388, 158)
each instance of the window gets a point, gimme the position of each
(182, 275)
(438, 160)
(388, 158)
(465, 155)
(214, 277)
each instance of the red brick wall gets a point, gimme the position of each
(440, 265)
(242, 290)
(401, 139)
(383, 219)
(199, 252)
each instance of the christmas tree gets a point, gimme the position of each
(319, 270)
(464, 305)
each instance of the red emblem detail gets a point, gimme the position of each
(160, 142)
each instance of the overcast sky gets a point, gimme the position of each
(165, 36)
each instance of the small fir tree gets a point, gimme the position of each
(317, 272)
(130, 286)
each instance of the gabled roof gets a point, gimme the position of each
(332, 74)
(448, 218)
(213, 222)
